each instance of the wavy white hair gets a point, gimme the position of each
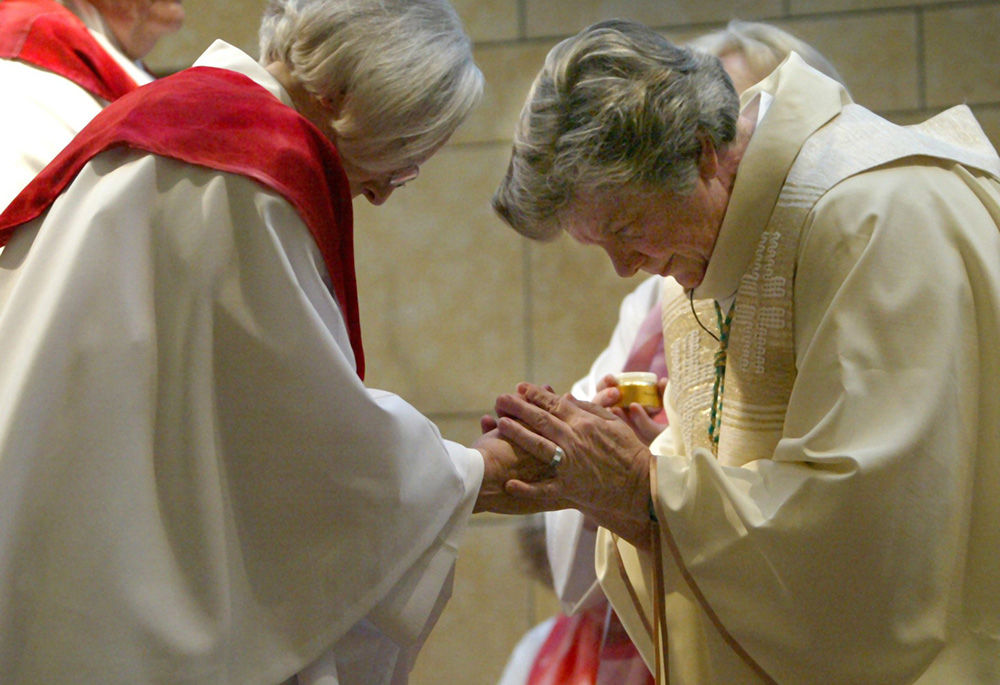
(615, 106)
(403, 70)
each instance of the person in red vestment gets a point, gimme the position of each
(196, 486)
(61, 63)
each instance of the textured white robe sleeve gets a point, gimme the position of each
(632, 312)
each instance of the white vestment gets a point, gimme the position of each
(43, 111)
(866, 549)
(631, 313)
(195, 485)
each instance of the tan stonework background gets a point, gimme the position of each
(456, 308)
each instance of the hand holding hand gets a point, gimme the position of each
(606, 468)
(504, 461)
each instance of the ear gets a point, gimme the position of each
(334, 104)
(708, 160)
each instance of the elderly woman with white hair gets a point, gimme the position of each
(196, 486)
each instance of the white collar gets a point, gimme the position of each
(222, 55)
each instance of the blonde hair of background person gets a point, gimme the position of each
(137, 25)
(750, 50)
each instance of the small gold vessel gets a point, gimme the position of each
(639, 386)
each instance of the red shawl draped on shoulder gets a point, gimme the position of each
(47, 35)
(222, 120)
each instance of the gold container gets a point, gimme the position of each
(639, 386)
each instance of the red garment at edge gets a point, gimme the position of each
(221, 120)
(589, 648)
(45, 34)
(569, 656)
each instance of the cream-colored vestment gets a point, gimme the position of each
(846, 530)
(195, 485)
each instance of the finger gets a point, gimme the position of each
(641, 414)
(536, 445)
(487, 423)
(608, 381)
(535, 418)
(544, 490)
(619, 413)
(589, 407)
(609, 397)
(505, 503)
(644, 425)
(539, 396)
(524, 386)
(563, 407)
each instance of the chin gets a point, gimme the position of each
(688, 280)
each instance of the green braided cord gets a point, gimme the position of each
(715, 420)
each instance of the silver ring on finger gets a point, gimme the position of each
(557, 457)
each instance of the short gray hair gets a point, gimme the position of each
(616, 106)
(763, 46)
(405, 68)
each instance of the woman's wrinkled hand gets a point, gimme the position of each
(605, 471)
(503, 461)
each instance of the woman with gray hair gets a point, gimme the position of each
(817, 509)
(613, 107)
(749, 51)
(353, 65)
(197, 487)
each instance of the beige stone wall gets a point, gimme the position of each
(456, 308)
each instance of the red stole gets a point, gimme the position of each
(47, 35)
(222, 120)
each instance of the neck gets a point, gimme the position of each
(732, 155)
(307, 104)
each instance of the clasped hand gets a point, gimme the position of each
(605, 472)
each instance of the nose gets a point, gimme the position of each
(626, 263)
(376, 193)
